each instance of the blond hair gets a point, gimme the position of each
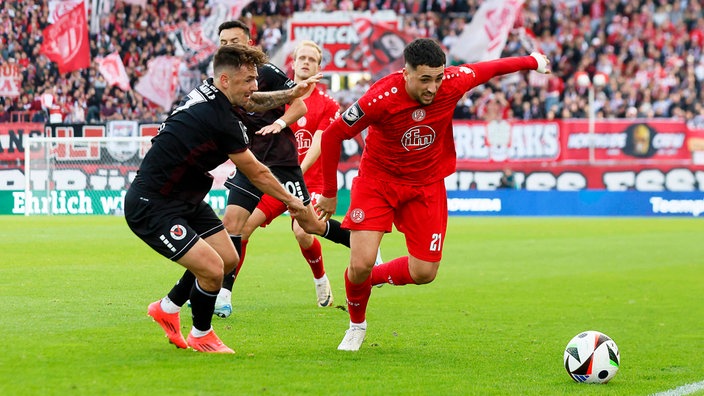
(309, 43)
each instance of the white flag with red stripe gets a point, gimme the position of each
(113, 70)
(10, 80)
(485, 36)
(160, 84)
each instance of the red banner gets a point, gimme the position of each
(538, 152)
(569, 141)
(626, 140)
(12, 137)
(66, 41)
(351, 42)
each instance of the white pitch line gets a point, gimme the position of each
(683, 390)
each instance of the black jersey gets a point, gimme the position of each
(194, 139)
(274, 149)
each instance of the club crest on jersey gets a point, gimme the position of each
(177, 232)
(357, 215)
(418, 138)
(352, 114)
(304, 140)
(418, 115)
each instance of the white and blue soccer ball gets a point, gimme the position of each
(592, 357)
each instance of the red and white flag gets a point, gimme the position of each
(10, 80)
(66, 41)
(380, 48)
(485, 37)
(160, 84)
(113, 70)
(58, 8)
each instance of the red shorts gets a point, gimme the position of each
(420, 212)
(271, 207)
(274, 208)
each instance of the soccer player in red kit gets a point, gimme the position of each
(408, 153)
(322, 110)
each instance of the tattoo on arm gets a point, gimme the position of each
(262, 101)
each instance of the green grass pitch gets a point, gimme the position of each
(511, 292)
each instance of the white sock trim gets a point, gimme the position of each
(200, 333)
(362, 325)
(168, 306)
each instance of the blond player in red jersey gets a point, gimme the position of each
(408, 153)
(322, 110)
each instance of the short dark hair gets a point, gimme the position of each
(236, 56)
(424, 52)
(234, 24)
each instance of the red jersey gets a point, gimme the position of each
(322, 110)
(408, 143)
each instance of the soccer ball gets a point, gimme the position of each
(592, 357)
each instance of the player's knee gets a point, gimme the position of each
(359, 270)
(424, 278)
(211, 274)
(424, 273)
(233, 224)
(230, 264)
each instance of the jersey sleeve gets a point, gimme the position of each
(475, 74)
(271, 78)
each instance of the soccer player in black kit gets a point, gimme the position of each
(274, 144)
(164, 205)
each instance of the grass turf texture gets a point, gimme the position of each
(511, 292)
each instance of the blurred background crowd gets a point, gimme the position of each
(651, 51)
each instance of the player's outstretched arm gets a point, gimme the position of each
(263, 101)
(264, 180)
(485, 71)
(296, 110)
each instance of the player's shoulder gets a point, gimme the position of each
(385, 94)
(459, 72)
(271, 70)
(323, 96)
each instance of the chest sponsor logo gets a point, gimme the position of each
(418, 138)
(353, 114)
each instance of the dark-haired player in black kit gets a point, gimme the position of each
(164, 205)
(274, 145)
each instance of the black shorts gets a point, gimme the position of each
(243, 193)
(171, 227)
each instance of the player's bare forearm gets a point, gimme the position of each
(263, 101)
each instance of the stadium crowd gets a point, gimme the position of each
(651, 51)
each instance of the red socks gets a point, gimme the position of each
(314, 257)
(357, 299)
(242, 253)
(395, 272)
